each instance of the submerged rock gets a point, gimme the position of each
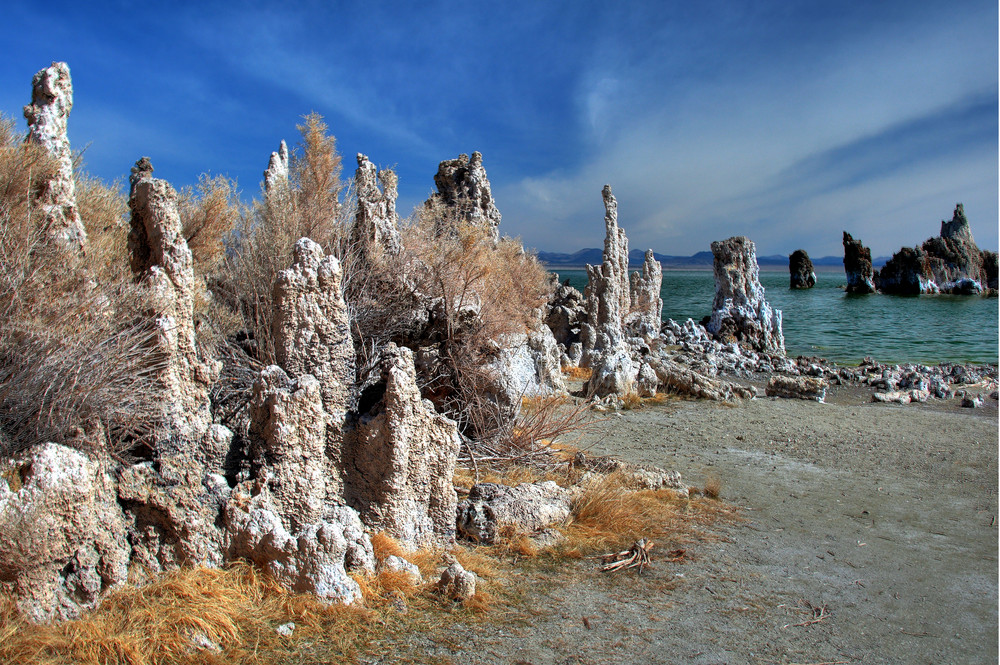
(801, 271)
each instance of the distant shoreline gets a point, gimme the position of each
(557, 268)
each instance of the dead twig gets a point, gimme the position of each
(819, 613)
(636, 557)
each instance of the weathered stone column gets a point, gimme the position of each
(47, 116)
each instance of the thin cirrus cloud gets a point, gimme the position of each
(784, 121)
(788, 150)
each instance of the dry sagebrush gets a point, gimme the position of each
(73, 341)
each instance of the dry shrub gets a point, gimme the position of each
(607, 516)
(631, 401)
(712, 488)
(484, 293)
(73, 339)
(209, 213)
(260, 244)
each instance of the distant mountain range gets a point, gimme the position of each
(701, 260)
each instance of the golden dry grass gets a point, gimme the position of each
(580, 373)
(607, 516)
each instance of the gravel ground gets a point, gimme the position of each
(878, 520)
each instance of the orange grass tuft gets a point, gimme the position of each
(580, 373)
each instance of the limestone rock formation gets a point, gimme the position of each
(376, 218)
(613, 370)
(463, 190)
(566, 314)
(314, 558)
(607, 293)
(276, 175)
(907, 272)
(312, 333)
(801, 271)
(949, 263)
(646, 305)
(160, 259)
(739, 310)
(456, 582)
(798, 387)
(62, 533)
(400, 459)
(528, 508)
(684, 380)
(858, 266)
(47, 116)
(290, 454)
(633, 476)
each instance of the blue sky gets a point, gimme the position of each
(785, 121)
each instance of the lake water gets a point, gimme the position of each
(825, 321)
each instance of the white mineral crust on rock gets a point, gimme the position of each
(47, 116)
(375, 224)
(400, 461)
(312, 332)
(739, 309)
(66, 531)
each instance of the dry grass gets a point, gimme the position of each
(579, 373)
(607, 516)
(712, 488)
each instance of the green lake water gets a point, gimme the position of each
(825, 321)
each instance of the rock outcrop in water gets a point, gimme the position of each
(47, 116)
(739, 311)
(858, 266)
(949, 263)
(801, 270)
(464, 190)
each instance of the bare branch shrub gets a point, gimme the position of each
(73, 343)
(263, 235)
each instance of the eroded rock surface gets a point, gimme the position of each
(739, 311)
(646, 306)
(313, 558)
(858, 266)
(276, 175)
(949, 263)
(400, 459)
(47, 116)
(802, 274)
(290, 453)
(607, 293)
(312, 332)
(463, 189)
(376, 218)
(62, 532)
(528, 508)
(161, 260)
(799, 387)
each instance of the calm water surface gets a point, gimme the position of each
(827, 322)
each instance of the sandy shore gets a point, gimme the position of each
(879, 520)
